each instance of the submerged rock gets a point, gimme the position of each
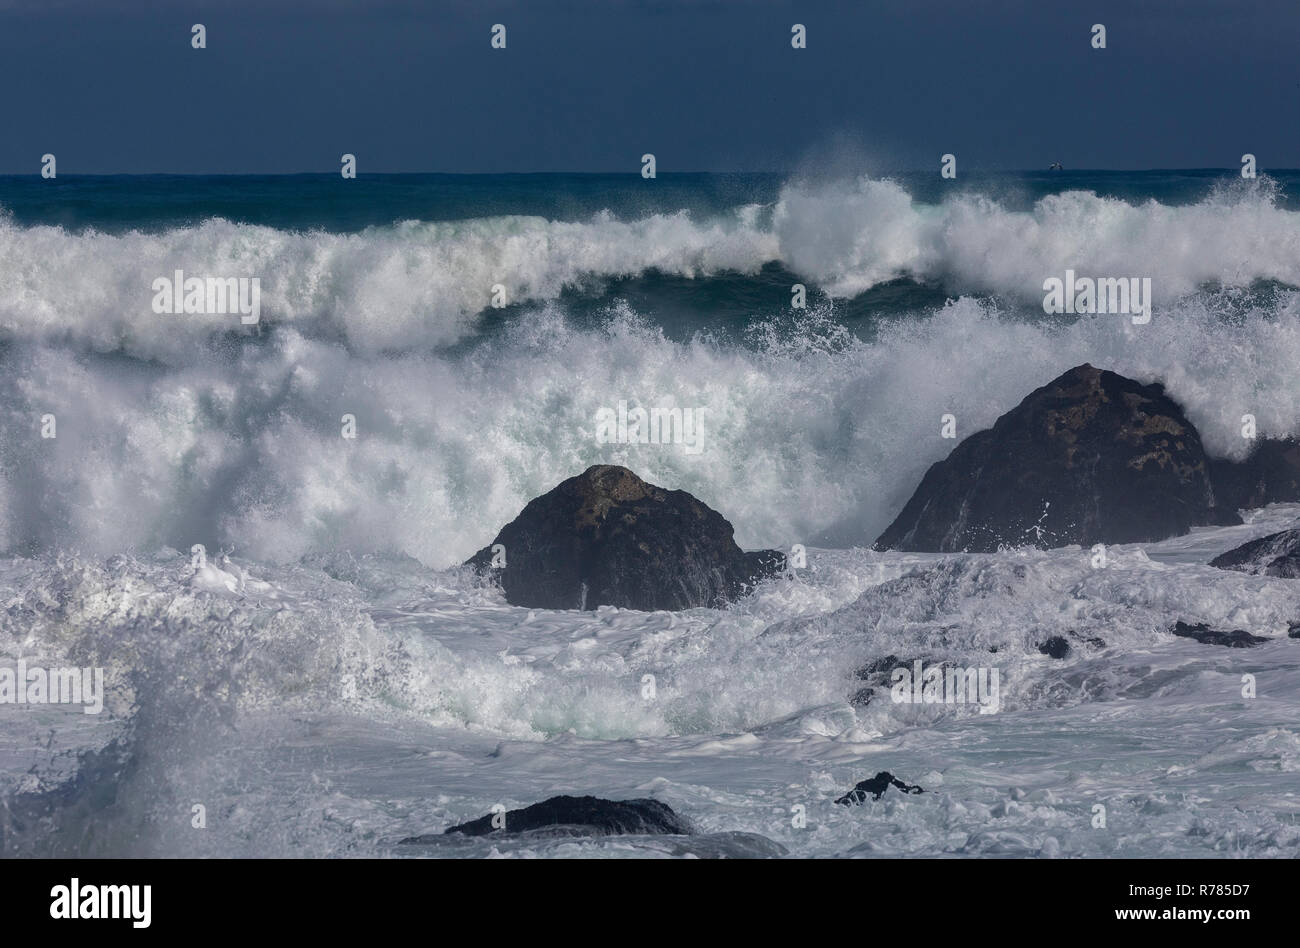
(1270, 475)
(877, 674)
(1095, 641)
(606, 537)
(877, 671)
(876, 786)
(862, 697)
(1237, 638)
(581, 816)
(734, 845)
(1091, 457)
(1277, 554)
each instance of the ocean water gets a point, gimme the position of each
(332, 682)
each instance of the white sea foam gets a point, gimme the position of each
(411, 285)
(352, 702)
(855, 236)
(813, 437)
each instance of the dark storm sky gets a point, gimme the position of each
(288, 86)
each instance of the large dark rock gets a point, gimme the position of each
(1091, 457)
(606, 537)
(1270, 475)
(582, 816)
(1277, 554)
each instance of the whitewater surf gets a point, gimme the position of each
(256, 530)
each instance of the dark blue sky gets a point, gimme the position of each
(288, 86)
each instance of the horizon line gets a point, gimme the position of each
(632, 173)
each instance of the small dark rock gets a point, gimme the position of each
(606, 537)
(876, 786)
(1277, 554)
(1091, 457)
(1293, 630)
(1055, 647)
(581, 816)
(1201, 632)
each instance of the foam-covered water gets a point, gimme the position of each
(338, 684)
